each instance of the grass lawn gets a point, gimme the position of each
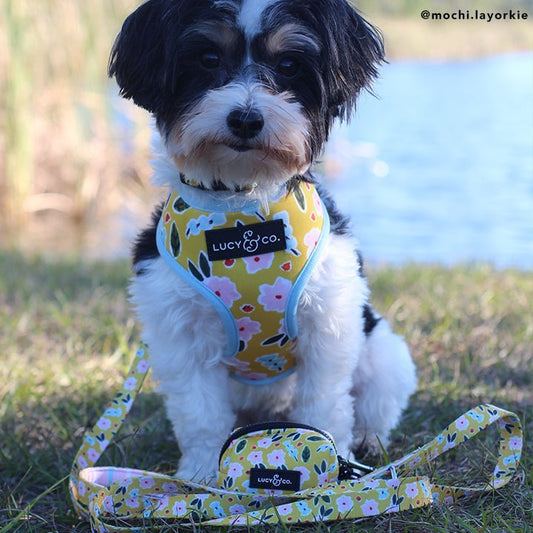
(67, 337)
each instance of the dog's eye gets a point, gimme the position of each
(288, 67)
(210, 59)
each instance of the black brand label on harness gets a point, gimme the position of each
(244, 241)
(275, 479)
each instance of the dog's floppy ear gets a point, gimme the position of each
(355, 51)
(138, 56)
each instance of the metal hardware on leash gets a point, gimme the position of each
(353, 469)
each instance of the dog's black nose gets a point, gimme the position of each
(245, 123)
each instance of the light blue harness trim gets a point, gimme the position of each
(232, 346)
(228, 320)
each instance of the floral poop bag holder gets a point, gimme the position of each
(272, 473)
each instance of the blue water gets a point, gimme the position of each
(438, 166)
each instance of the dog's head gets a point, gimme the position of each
(245, 91)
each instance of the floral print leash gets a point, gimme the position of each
(127, 500)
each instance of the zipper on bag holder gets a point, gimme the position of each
(259, 426)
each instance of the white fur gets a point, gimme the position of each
(335, 363)
(251, 13)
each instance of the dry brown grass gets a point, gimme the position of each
(64, 166)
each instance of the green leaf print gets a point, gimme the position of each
(300, 198)
(306, 454)
(194, 271)
(180, 205)
(204, 265)
(175, 243)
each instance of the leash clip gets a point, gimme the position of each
(353, 469)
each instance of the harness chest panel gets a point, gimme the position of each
(252, 266)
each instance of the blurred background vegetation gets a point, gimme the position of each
(71, 153)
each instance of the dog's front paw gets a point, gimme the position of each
(369, 442)
(198, 469)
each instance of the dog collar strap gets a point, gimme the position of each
(124, 500)
(252, 267)
(218, 186)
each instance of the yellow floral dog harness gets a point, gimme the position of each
(251, 264)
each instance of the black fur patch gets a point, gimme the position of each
(145, 246)
(370, 319)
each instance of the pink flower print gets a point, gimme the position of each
(132, 502)
(462, 423)
(344, 504)
(104, 423)
(370, 508)
(274, 297)
(170, 487)
(255, 263)
(247, 328)
(93, 455)
(82, 488)
(304, 473)
(143, 366)
(323, 478)
(255, 458)
(311, 240)
(515, 443)
(237, 509)
(276, 458)
(253, 376)
(284, 510)
(411, 489)
(146, 482)
(237, 364)
(264, 443)
(162, 503)
(179, 508)
(234, 470)
(317, 203)
(224, 288)
(130, 383)
(394, 483)
(126, 482)
(108, 505)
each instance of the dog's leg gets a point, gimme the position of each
(383, 381)
(199, 409)
(329, 340)
(185, 339)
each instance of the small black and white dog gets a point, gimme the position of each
(244, 95)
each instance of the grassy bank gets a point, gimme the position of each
(67, 335)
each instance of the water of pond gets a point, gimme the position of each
(438, 167)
